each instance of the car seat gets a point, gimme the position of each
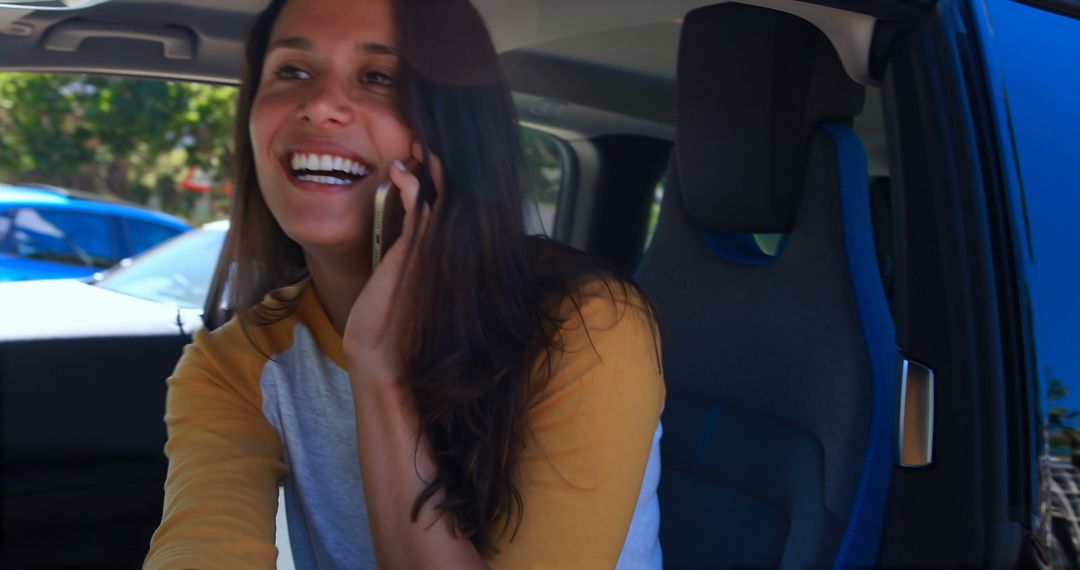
(778, 428)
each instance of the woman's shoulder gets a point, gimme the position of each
(602, 370)
(251, 337)
(606, 316)
(583, 292)
(603, 303)
(601, 326)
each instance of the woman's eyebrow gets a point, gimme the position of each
(377, 48)
(293, 42)
(304, 44)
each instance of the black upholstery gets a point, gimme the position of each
(770, 384)
(82, 434)
(753, 85)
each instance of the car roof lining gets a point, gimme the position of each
(546, 26)
(622, 61)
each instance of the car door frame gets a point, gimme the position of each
(960, 306)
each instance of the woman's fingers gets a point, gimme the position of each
(406, 182)
(409, 185)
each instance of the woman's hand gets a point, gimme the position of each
(396, 461)
(373, 338)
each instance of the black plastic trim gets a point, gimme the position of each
(617, 90)
(1070, 8)
(1019, 370)
(886, 34)
(947, 302)
(562, 225)
(894, 10)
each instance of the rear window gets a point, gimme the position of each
(5, 228)
(145, 235)
(72, 238)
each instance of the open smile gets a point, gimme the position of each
(325, 169)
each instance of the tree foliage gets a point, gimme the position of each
(109, 134)
(1060, 420)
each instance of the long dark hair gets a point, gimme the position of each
(486, 312)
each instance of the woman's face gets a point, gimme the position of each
(325, 124)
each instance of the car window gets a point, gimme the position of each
(545, 169)
(159, 144)
(144, 235)
(73, 238)
(177, 273)
(5, 228)
(654, 214)
(1044, 123)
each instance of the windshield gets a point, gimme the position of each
(177, 272)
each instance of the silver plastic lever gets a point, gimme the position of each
(916, 415)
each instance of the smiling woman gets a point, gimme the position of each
(483, 398)
(326, 92)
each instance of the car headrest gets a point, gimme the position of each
(753, 83)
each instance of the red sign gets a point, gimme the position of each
(197, 180)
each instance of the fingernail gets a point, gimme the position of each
(399, 165)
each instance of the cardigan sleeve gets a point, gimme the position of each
(225, 460)
(591, 428)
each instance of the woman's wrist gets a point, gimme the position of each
(370, 379)
(370, 366)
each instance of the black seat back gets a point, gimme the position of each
(776, 435)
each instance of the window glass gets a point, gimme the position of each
(544, 169)
(654, 214)
(178, 272)
(1038, 51)
(144, 235)
(5, 228)
(64, 237)
(163, 145)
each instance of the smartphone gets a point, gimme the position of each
(388, 222)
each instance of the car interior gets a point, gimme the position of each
(785, 262)
(726, 303)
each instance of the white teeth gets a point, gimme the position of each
(327, 163)
(323, 180)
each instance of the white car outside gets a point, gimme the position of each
(160, 292)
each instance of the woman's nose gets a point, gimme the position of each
(328, 105)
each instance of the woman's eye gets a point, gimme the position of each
(379, 78)
(290, 72)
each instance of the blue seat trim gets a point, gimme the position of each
(863, 534)
(739, 248)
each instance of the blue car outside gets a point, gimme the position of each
(51, 233)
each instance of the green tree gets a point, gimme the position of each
(1064, 436)
(109, 134)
